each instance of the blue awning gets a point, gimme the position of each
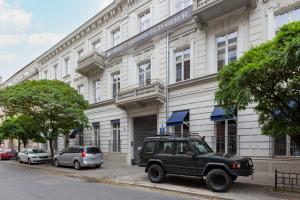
(219, 114)
(177, 118)
(75, 132)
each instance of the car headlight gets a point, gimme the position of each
(236, 165)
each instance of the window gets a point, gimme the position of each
(145, 20)
(116, 37)
(144, 74)
(67, 66)
(149, 148)
(226, 131)
(97, 91)
(226, 49)
(284, 143)
(80, 89)
(183, 65)
(182, 4)
(182, 147)
(116, 84)
(46, 74)
(201, 147)
(55, 72)
(292, 15)
(96, 44)
(80, 53)
(185, 126)
(166, 148)
(116, 137)
(96, 127)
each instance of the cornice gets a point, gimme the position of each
(194, 81)
(110, 13)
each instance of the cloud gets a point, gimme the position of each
(13, 18)
(7, 57)
(38, 39)
(11, 39)
(104, 3)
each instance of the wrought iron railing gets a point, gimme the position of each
(285, 181)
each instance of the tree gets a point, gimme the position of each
(53, 105)
(22, 128)
(268, 77)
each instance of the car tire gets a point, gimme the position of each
(233, 178)
(56, 163)
(156, 174)
(97, 166)
(77, 165)
(218, 180)
(29, 161)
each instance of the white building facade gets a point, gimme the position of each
(149, 67)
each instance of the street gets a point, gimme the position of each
(20, 183)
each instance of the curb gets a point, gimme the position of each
(109, 181)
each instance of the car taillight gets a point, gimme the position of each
(83, 154)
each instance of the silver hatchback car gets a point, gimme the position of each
(79, 157)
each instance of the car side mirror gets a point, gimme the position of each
(191, 153)
(61, 153)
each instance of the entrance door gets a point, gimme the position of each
(143, 127)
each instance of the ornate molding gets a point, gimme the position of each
(182, 42)
(143, 56)
(96, 24)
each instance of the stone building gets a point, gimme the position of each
(149, 67)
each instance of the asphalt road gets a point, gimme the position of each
(19, 183)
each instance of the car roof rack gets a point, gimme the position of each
(188, 136)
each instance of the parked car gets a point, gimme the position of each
(7, 154)
(79, 157)
(32, 156)
(191, 156)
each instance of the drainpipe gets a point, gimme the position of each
(167, 67)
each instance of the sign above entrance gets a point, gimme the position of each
(173, 21)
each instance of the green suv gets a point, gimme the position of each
(191, 156)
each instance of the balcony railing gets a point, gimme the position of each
(141, 95)
(205, 10)
(91, 61)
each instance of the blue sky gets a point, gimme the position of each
(30, 27)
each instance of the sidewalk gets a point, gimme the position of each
(133, 176)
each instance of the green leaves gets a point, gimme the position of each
(54, 106)
(267, 76)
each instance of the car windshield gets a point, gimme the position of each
(33, 151)
(201, 147)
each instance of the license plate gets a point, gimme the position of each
(91, 158)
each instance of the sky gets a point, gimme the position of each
(30, 27)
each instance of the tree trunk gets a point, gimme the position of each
(19, 144)
(51, 150)
(24, 143)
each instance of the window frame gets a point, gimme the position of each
(183, 4)
(144, 71)
(182, 61)
(289, 19)
(116, 84)
(67, 66)
(144, 25)
(116, 129)
(79, 89)
(161, 146)
(226, 47)
(55, 67)
(116, 40)
(97, 91)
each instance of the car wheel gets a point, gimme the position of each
(56, 163)
(218, 180)
(233, 178)
(156, 174)
(98, 166)
(77, 165)
(29, 161)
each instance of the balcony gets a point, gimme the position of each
(205, 10)
(90, 62)
(142, 95)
